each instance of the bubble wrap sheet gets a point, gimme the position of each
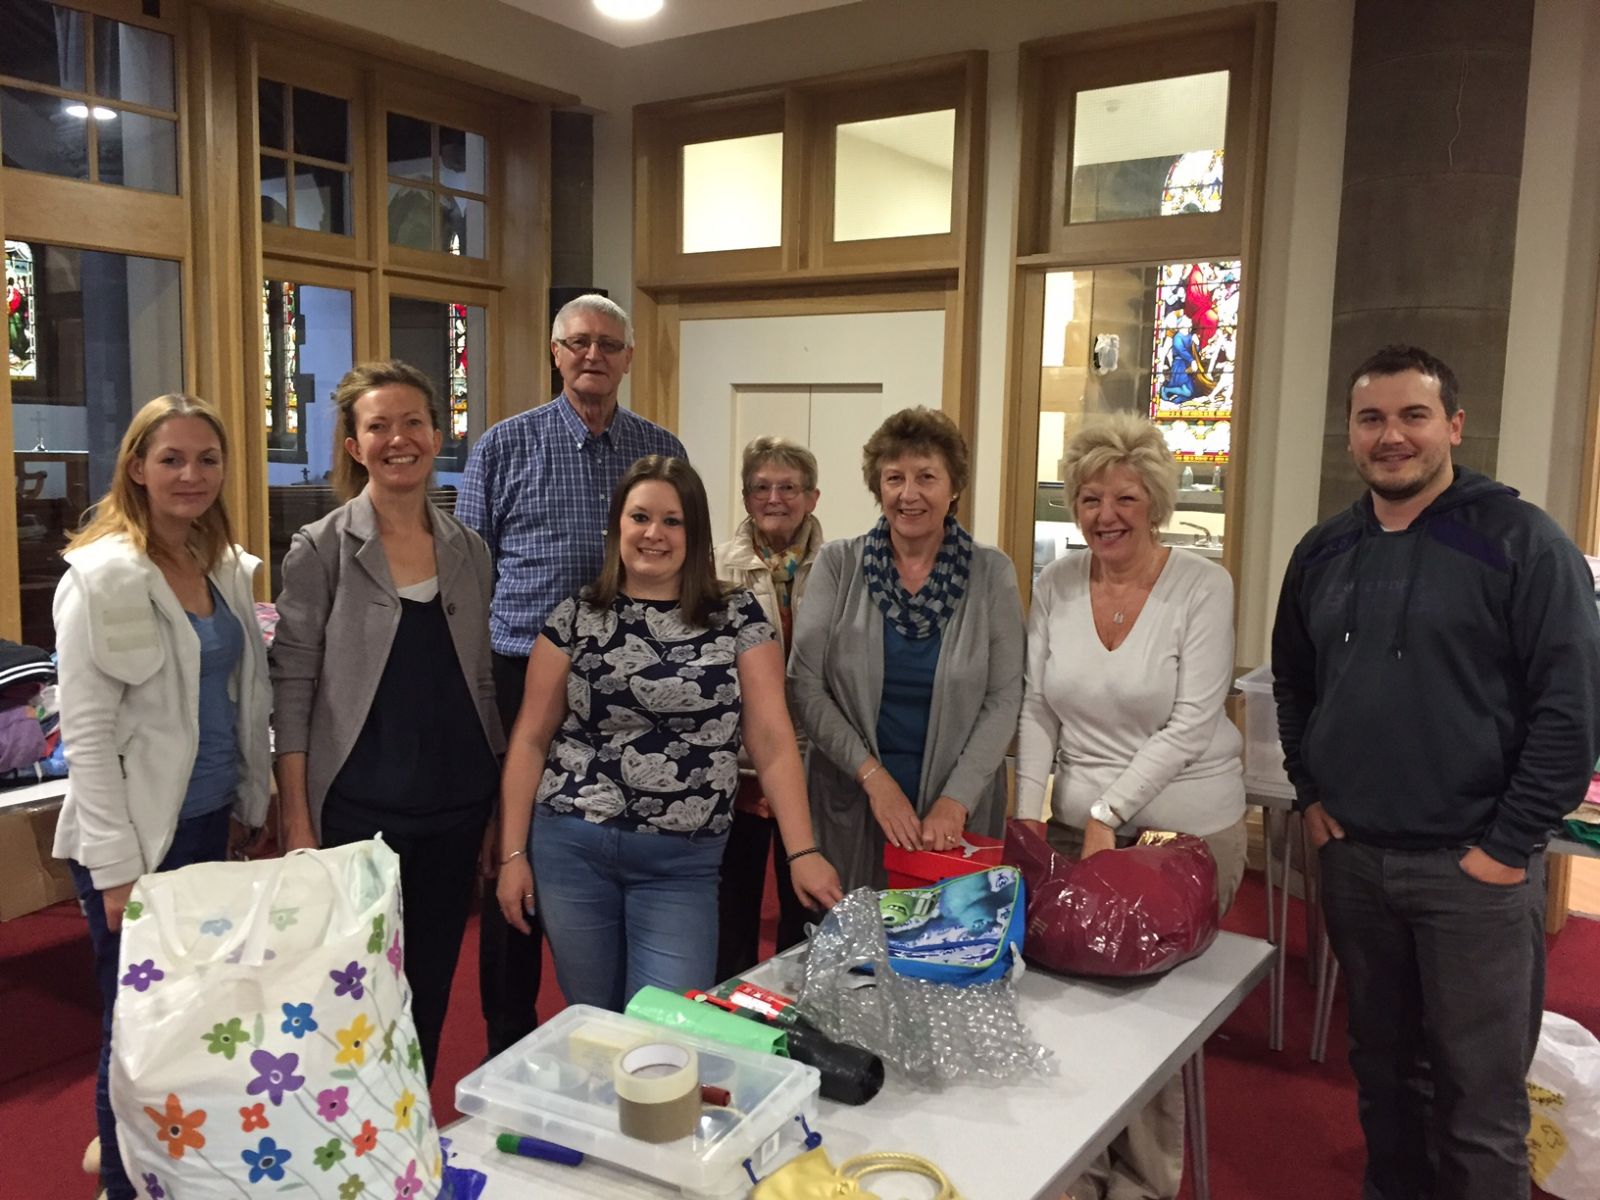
(933, 1032)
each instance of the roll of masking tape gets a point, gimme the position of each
(658, 1091)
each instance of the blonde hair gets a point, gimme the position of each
(916, 431)
(124, 511)
(348, 476)
(1122, 440)
(780, 452)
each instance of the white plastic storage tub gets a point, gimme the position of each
(556, 1084)
(1263, 756)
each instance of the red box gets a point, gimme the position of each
(920, 868)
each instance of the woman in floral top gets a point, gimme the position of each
(640, 692)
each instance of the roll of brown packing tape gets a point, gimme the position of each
(658, 1091)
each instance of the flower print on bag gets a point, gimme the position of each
(402, 1110)
(333, 1103)
(351, 1188)
(353, 1041)
(366, 1141)
(387, 1054)
(396, 955)
(407, 1185)
(142, 974)
(349, 981)
(413, 1055)
(282, 918)
(153, 1188)
(216, 926)
(253, 1117)
(325, 1156)
(133, 910)
(298, 1021)
(178, 1129)
(375, 942)
(274, 1075)
(266, 1161)
(225, 1039)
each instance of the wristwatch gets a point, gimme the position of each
(1105, 814)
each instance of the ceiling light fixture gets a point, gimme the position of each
(628, 10)
(81, 111)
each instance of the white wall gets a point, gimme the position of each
(1545, 400)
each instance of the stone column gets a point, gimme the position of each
(1428, 218)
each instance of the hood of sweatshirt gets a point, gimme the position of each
(1468, 487)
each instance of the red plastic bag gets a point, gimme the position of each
(1137, 911)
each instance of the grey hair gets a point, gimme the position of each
(781, 452)
(591, 302)
(1122, 440)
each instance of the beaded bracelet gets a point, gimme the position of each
(802, 853)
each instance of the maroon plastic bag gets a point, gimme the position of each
(1137, 911)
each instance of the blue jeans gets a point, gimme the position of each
(623, 910)
(198, 839)
(1446, 984)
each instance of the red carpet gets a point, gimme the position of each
(1281, 1126)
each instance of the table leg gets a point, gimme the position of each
(1322, 1013)
(1194, 1107)
(1308, 882)
(1281, 966)
(1275, 931)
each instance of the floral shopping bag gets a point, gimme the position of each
(262, 1034)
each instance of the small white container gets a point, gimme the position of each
(556, 1084)
(1263, 755)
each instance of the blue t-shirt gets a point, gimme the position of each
(909, 665)
(215, 779)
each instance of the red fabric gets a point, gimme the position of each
(1137, 911)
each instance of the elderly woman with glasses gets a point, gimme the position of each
(771, 553)
(907, 663)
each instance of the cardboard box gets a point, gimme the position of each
(30, 879)
(920, 868)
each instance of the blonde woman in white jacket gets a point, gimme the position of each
(163, 690)
(771, 554)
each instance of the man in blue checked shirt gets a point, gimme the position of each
(537, 488)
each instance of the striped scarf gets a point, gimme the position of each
(924, 614)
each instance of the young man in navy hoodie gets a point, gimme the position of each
(1436, 664)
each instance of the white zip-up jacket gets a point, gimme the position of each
(129, 686)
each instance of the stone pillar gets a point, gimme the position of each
(1428, 218)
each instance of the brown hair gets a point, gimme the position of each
(349, 476)
(1122, 440)
(916, 431)
(700, 595)
(125, 508)
(779, 452)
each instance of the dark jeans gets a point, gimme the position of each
(199, 839)
(1446, 985)
(509, 963)
(438, 871)
(744, 882)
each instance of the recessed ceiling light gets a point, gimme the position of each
(628, 10)
(82, 111)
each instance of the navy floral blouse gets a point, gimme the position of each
(651, 738)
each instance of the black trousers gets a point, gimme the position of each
(744, 880)
(1446, 984)
(437, 871)
(509, 962)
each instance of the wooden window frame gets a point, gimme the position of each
(1052, 72)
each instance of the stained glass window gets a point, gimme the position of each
(458, 371)
(1194, 184)
(1196, 331)
(280, 320)
(22, 333)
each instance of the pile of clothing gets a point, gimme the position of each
(30, 720)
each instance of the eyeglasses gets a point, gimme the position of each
(580, 343)
(784, 491)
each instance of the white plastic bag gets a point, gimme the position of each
(1564, 1101)
(262, 1033)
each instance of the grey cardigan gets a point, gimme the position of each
(337, 616)
(836, 685)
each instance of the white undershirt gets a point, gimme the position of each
(1142, 725)
(424, 591)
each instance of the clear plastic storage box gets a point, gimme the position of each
(1263, 756)
(556, 1084)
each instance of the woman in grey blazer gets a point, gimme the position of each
(383, 701)
(906, 670)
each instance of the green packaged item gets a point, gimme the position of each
(1583, 831)
(661, 1007)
